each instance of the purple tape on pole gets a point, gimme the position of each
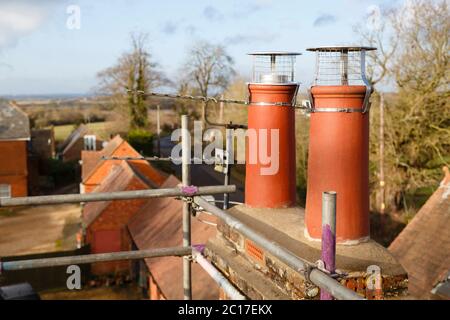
(199, 247)
(189, 190)
(328, 255)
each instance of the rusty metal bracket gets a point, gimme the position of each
(321, 266)
(337, 275)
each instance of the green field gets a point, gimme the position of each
(101, 129)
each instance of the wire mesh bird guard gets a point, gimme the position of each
(273, 67)
(340, 65)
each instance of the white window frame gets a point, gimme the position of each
(2, 191)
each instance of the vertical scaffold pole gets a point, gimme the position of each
(158, 129)
(328, 236)
(227, 165)
(186, 179)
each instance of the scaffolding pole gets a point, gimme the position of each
(309, 270)
(120, 195)
(328, 236)
(217, 276)
(186, 179)
(92, 258)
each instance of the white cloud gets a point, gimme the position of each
(249, 38)
(324, 19)
(212, 13)
(21, 17)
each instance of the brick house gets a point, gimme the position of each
(104, 223)
(42, 148)
(43, 143)
(423, 246)
(14, 138)
(94, 169)
(80, 139)
(158, 224)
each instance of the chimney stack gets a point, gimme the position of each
(338, 161)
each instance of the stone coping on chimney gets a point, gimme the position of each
(286, 227)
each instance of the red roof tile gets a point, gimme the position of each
(155, 177)
(89, 160)
(110, 147)
(118, 179)
(423, 247)
(159, 224)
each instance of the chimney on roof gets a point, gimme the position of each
(338, 157)
(338, 161)
(270, 159)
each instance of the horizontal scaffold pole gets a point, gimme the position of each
(120, 195)
(92, 258)
(319, 278)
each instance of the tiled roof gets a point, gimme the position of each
(146, 171)
(423, 247)
(159, 224)
(110, 147)
(118, 179)
(76, 134)
(14, 123)
(89, 160)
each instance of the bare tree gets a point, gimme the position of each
(209, 69)
(188, 107)
(376, 32)
(413, 57)
(134, 72)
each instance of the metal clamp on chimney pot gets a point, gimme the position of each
(271, 113)
(338, 157)
(341, 66)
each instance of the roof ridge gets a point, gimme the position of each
(15, 106)
(141, 176)
(75, 134)
(14, 122)
(100, 160)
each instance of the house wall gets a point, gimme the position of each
(34, 173)
(123, 150)
(114, 219)
(43, 143)
(74, 152)
(13, 166)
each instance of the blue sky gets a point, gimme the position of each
(40, 55)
